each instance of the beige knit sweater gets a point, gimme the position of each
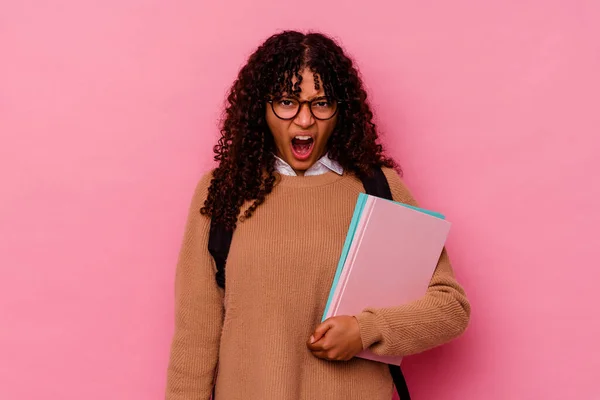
(279, 272)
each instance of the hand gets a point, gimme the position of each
(336, 339)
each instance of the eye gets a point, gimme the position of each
(286, 103)
(322, 103)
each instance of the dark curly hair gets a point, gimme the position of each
(245, 150)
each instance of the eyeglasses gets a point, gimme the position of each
(287, 108)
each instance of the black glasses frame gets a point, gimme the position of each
(309, 102)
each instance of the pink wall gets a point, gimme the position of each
(108, 115)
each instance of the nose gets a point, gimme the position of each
(304, 119)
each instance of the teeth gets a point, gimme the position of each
(303, 137)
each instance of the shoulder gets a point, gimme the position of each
(400, 191)
(201, 189)
(205, 180)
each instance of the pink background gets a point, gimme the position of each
(108, 116)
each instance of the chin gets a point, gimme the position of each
(302, 166)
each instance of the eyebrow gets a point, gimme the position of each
(293, 96)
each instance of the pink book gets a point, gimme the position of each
(392, 251)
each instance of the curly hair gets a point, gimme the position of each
(245, 150)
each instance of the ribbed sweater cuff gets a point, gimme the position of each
(369, 333)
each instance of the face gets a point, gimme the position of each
(301, 141)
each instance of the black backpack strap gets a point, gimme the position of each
(376, 184)
(399, 382)
(219, 242)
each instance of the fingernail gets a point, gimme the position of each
(312, 339)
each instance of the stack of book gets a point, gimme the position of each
(389, 256)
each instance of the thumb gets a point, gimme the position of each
(320, 331)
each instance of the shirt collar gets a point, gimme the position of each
(322, 165)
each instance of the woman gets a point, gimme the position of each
(298, 132)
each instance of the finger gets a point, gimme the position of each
(321, 345)
(320, 331)
(328, 355)
(321, 354)
(317, 346)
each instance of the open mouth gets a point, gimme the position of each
(302, 147)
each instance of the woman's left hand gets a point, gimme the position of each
(336, 339)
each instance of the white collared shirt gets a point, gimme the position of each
(323, 165)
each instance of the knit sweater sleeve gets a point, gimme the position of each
(441, 315)
(198, 310)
